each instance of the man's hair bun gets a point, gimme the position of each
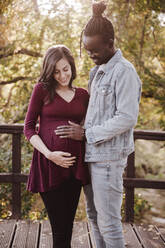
(98, 8)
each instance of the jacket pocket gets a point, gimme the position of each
(104, 90)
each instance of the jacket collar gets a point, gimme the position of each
(116, 57)
(105, 67)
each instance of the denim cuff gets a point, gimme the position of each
(90, 136)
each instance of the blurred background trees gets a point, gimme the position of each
(29, 27)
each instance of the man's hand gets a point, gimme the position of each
(72, 131)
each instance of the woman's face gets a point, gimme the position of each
(63, 73)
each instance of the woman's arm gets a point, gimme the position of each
(37, 143)
(34, 110)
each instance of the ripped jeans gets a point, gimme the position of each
(103, 203)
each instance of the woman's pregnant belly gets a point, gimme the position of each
(55, 143)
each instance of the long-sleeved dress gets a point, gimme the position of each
(44, 174)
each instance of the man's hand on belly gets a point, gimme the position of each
(73, 131)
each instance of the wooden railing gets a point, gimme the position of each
(130, 182)
(15, 177)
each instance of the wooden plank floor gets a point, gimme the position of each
(28, 234)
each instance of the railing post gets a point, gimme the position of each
(16, 168)
(129, 191)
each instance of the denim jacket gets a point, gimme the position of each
(113, 108)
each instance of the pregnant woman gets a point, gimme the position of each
(57, 170)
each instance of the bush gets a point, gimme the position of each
(141, 206)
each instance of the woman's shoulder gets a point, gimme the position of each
(82, 94)
(39, 86)
(81, 91)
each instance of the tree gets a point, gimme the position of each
(140, 35)
(21, 57)
(21, 54)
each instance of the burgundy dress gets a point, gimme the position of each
(44, 174)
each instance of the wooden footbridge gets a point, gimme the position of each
(28, 234)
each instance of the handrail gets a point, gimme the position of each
(130, 182)
(11, 128)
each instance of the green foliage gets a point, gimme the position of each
(141, 206)
(5, 201)
(144, 47)
(61, 22)
(156, 5)
(5, 189)
(4, 5)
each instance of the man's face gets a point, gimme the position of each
(99, 51)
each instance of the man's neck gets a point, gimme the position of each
(112, 53)
(114, 50)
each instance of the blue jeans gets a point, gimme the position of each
(103, 203)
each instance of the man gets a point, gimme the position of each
(112, 113)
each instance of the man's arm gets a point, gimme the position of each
(128, 88)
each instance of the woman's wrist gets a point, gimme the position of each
(48, 154)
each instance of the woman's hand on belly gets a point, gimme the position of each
(62, 159)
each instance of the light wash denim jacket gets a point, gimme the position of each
(115, 90)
